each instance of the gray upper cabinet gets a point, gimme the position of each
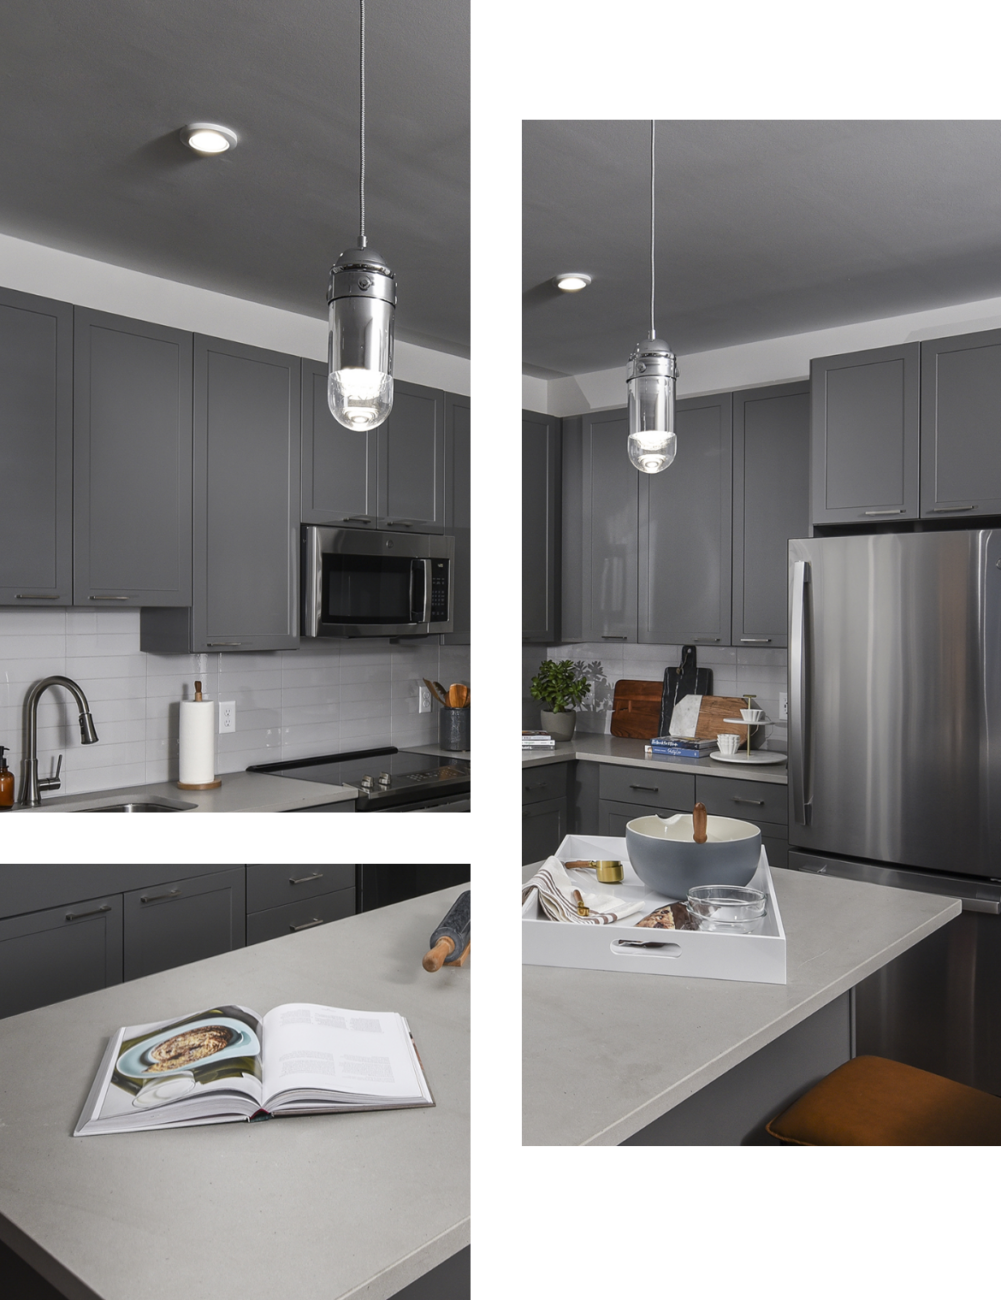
(541, 501)
(457, 511)
(246, 506)
(685, 530)
(412, 461)
(961, 425)
(771, 488)
(340, 467)
(865, 435)
(600, 517)
(131, 463)
(36, 484)
(184, 920)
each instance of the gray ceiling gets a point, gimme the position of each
(763, 229)
(92, 96)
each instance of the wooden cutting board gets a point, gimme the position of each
(636, 712)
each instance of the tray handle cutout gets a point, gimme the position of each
(631, 947)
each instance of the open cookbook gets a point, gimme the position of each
(228, 1063)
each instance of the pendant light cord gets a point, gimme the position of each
(653, 227)
(361, 142)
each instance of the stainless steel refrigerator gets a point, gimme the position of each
(895, 769)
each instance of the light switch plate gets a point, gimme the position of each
(227, 715)
(783, 706)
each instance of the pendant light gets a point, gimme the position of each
(651, 376)
(362, 303)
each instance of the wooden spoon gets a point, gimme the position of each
(437, 691)
(458, 696)
(699, 821)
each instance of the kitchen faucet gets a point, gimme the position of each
(31, 786)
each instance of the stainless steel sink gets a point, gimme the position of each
(153, 805)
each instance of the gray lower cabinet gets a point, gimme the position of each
(613, 817)
(764, 803)
(412, 461)
(865, 435)
(36, 418)
(545, 813)
(246, 506)
(685, 531)
(541, 525)
(131, 463)
(184, 920)
(961, 425)
(273, 884)
(60, 952)
(306, 914)
(771, 504)
(628, 792)
(457, 511)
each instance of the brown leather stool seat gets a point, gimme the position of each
(871, 1102)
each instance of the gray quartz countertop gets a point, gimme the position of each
(629, 753)
(358, 1204)
(605, 1053)
(239, 792)
(438, 752)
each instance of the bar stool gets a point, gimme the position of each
(870, 1102)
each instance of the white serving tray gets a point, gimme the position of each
(702, 954)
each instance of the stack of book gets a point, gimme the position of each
(679, 747)
(537, 740)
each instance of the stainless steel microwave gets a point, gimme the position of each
(358, 583)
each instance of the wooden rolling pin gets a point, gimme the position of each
(699, 822)
(451, 937)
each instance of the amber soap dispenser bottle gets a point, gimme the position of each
(6, 783)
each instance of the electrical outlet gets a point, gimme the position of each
(783, 706)
(227, 715)
(423, 699)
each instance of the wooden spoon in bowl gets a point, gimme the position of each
(699, 823)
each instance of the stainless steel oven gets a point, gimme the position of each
(356, 583)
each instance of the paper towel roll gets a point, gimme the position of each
(197, 744)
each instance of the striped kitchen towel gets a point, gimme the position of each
(556, 898)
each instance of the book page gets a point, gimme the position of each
(365, 1053)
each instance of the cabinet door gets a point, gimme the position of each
(36, 482)
(339, 466)
(771, 503)
(457, 511)
(541, 499)
(600, 513)
(961, 425)
(864, 433)
(131, 463)
(412, 461)
(685, 531)
(59, 953)
(184, 920)
(543, 826)
(306, 914)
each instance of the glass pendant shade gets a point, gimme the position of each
(362, 302)
(650, 382)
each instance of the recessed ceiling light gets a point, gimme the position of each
(208, 137)
(572, 281)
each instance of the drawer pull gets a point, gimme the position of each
(705, 638)
(211, 643)
(899, 510)
(758, 803)
(651, 789)
(536, 785)
(303, 880)
(158, 898)
(756, 640)
(949, 510)
(109, 597)
(78, 916)
(26, 596)
(308, 925)
(610, 637)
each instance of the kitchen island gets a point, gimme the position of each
(612, 1058)
(361, 1204)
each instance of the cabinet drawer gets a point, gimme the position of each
(275, 884)
(640, 785)
(541, 783)
(60, 953)
(304, 914)
(753, 801)
(613, 817)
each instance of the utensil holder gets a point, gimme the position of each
(453, 729)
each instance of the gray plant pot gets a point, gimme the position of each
(559, 725)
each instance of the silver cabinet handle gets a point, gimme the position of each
(109, 597)
(538, 785)
(757, 640)
(651, 789)
(358, 519)
(157, 898)
(28, 596)
(798, 673)
(398, 523)
(758, 803)
(78, 916)
(609, 637)
(898, 511)
(948, 510)
(224, 643)
(705, 638)
(302, 880)
(308, 925)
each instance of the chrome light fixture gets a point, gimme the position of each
(651, 376)
(362, 303)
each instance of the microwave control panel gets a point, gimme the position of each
(439, 591)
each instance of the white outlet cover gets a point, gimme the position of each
(227, 715)
(783, 706)
(423, 699)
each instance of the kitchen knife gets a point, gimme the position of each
(449, 944)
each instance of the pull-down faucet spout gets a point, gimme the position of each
(31, 787)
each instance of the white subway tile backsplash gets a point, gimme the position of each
(318, 699)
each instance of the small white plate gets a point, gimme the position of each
(755, 756)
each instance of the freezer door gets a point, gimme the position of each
(895, 699)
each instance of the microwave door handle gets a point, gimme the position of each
(427, 591)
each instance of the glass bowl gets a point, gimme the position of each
(730, 908)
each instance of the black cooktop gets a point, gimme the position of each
(385, 778)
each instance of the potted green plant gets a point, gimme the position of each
(561, 686)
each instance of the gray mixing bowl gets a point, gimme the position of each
(665, 856)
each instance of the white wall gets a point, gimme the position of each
(52, 273)
(767, 361)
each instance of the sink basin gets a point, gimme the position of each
(145, 806)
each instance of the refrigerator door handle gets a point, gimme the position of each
(799, 738)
